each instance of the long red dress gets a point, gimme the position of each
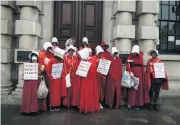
(89, 99)
(136, 97)
(114, 82)
(54, 85)
(71, 94)
(102, 78)
(29, 97)
(42, 55)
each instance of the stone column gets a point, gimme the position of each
(41, 22)
(7, 32)
(147, 31)
(124, 31)
(113, 22)
(28, 29)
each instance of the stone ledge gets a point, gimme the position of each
(7, 27)
(169, 57)
(6, 55)
(147, 32)
(11, 4)
(147, 7)
(26, 27)
(125, 6)
(124, 31)
(36, 4)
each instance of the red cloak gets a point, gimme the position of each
(54, 85)
(136, 97)
(102, 78)
(114, 82)
(150, 69)
(89, 99)
(71, 94)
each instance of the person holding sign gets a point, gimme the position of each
(44, 56)
(114, 80)
(156, 78)
(135, 67)
(29, 97)
(71, 81)
(54, 69)
(89, 96)
(101, 77)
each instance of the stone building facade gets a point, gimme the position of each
(26, 25)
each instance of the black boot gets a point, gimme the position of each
(150, 106)
(157, 107)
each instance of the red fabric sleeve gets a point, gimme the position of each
(49, 68)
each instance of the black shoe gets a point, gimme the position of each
(156, 107)
(129, 108)
(150, 107)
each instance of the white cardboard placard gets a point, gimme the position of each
(30, 71)
(57, 70)
(104, 66)
(83, 68)
(159, 70)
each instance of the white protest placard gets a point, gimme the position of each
(104, 66)
(68, 81)
(159, 70)
(57, 70)
(83, 68)
(30, 71)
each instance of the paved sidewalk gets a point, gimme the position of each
(169, 115)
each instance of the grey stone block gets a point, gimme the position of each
(124, 31)
(6, 83)
(148, 32)
(147, 7)
(7, 27)
(28, 42)
(29, 13)
(26, 27)
(11, 4)
(6, 41)
(6, 55)
(6, 13)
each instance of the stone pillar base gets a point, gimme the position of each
(12, 99)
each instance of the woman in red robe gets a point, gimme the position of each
(71, 63)
(135, 67)
(114, 80)
(44, 56)
(54, 82)
(154, 84)
(102, 78)
(89, 97)
(29, 97)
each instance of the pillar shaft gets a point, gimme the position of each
(28, 29)
(124, 31)
(6, 45)
(147, 32)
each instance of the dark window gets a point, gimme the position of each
(169, 27)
